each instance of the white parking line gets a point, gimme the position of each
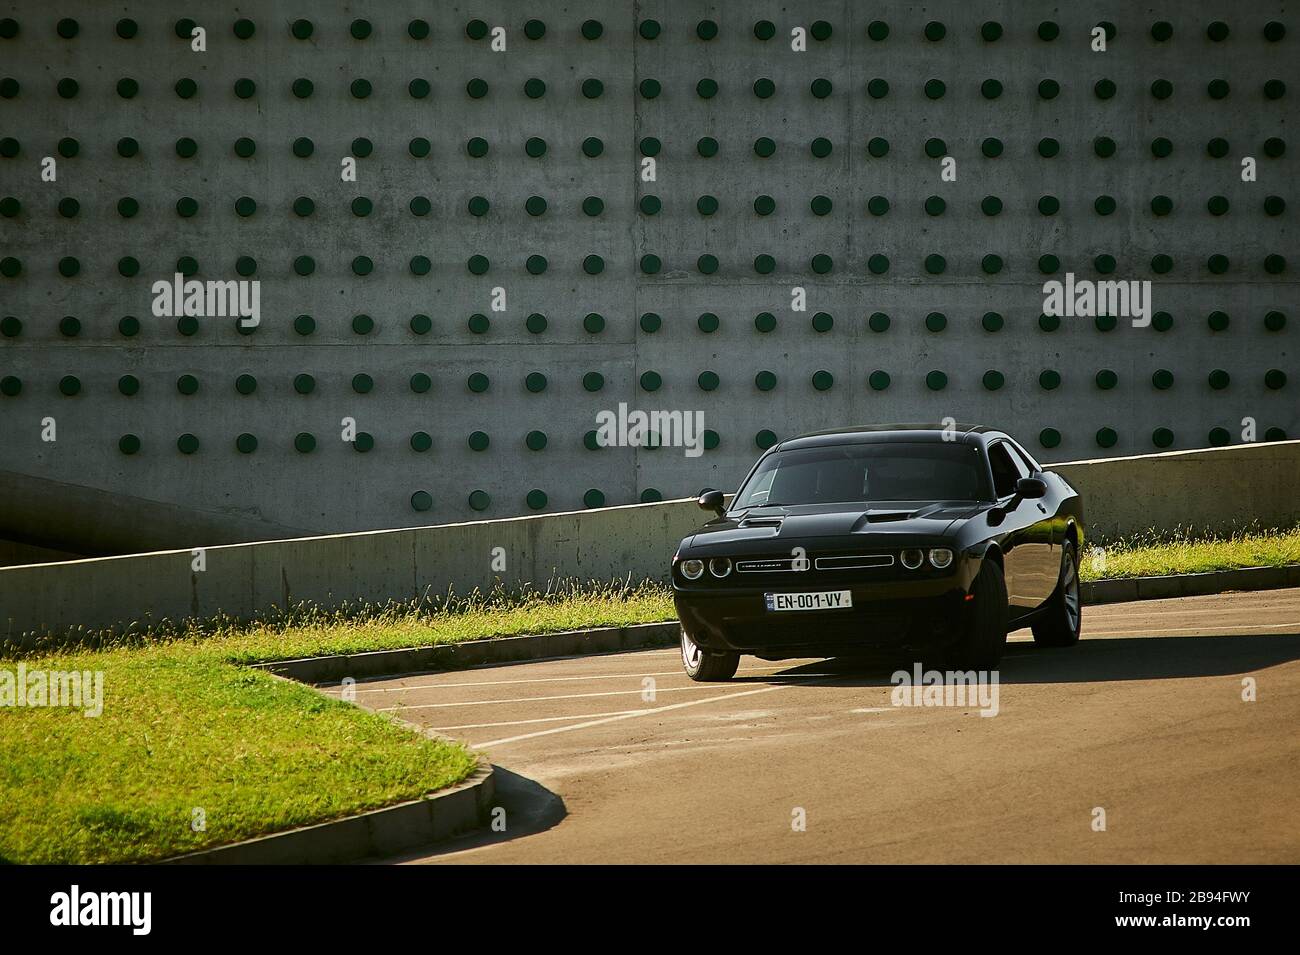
(546, 679)
(592, 716)
(628, 716)
(543, 699)
(542, 719)
(496, 665)
(583, 696)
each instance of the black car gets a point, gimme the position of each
(919, 538)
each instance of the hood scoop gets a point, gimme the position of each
(761, 522)
(885, 516)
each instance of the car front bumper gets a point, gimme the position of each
(886, 615)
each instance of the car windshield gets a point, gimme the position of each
(858, 473)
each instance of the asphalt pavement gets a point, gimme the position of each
(1142, 744)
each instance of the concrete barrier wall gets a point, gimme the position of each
(1213, 490)
(1209, 491)
(241, 580)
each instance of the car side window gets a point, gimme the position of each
(1006, 469)
(1019, 456)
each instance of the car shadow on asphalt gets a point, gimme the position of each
(1090, 661)
(529, 808)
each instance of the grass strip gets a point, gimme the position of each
(185, 739)
(1148, 556)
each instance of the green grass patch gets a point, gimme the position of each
(181, 731)
(1151, 557)
(184, 726)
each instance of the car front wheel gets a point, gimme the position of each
(705, 667)
(1059, 624)
(985, 636)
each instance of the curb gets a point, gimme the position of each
(450, 656)
(379, 832)
(1189, 585)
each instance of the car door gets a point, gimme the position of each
(1045, 537)
(1027, 548)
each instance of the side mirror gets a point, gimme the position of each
(1031, 487)
(711, 500)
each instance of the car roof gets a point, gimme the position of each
(881, 433)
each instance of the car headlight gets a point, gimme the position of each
(912, 558)
(692, 569)
(940, 557)
(719, 566)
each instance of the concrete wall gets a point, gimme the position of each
(1200, 492)
(335, 488)
(1211, 490)
(633, 541)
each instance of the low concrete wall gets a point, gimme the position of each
(1210, 491)
(1216, 490)
(241, 580)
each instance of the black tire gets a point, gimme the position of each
(985, 637)
(1058, 624)
(703, 666)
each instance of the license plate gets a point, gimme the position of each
(823, 600)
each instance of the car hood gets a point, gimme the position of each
(807, 521)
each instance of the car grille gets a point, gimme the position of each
(769, 565)
(854, 562)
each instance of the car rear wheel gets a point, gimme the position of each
(705, 667)
(985, 637)
(1059, 624)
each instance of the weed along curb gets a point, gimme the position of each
(1189, 585)
(449, 656)
(373, 834)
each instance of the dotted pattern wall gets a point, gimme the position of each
(526, 170)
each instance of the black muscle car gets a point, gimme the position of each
(886, 538)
